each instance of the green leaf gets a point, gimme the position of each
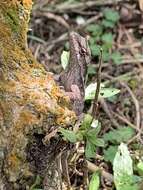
(91, 70)
(113, 99)
(69, 135)
(116, 57)
(122, 166)
(90, 150)
(104, 92)
(140, 168)
(94, 182)
(94, 131)
(95, 50)
(90, 91)
(65, 59)
(92, 41)
(122, 134)
(106, 56)
(109, 153)
(95, 29)
(99, 142)
(111, 15)
(128, 182)
(107, 38)
(37, 182)
(79, 135)
(108, 23)
(108, 92)
(86, 122)
(91, 135)
(123, 170)
(105, 49)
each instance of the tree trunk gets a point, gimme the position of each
(30, 104)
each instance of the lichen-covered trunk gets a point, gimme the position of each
(30, 102)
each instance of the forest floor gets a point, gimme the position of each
(117, 27)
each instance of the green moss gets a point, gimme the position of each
(29, 97)
(12, 19)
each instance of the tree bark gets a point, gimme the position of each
(30, 104)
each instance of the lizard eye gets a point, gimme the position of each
(83, 50)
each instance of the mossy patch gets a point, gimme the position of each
(12, 19)
(29, 97)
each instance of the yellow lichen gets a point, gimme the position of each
(13, 161)
(29, 97)
(27, 4)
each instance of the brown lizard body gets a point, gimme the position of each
(73, 79)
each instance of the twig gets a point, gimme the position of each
(132, 60)
(85, 175)
(64, 36)
(57, 18)
(136, 103)
(133, 50)
(108, 112)
(85, 12)
(95, 101)
(92, 167)
(65, 169)
(90, 20)
(137, 136)
(138, 116)
(132, 45)
(125, 120)
(61, 38)
(83, 5)
(49, 136)
(37, 51)
(37, 39)
(124, 77)
(124, 61)
(40, 4)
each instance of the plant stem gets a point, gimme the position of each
(95, 101)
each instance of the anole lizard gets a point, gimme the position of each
(73, 79)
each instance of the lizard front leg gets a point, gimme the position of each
(75, 93)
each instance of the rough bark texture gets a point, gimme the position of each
(30, 101)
